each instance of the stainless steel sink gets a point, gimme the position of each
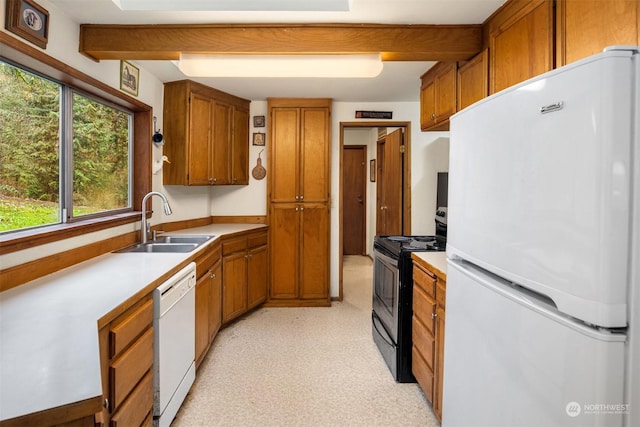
(161, 247)
(169, 244)
(182, 239)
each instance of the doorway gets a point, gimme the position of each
(400, 189)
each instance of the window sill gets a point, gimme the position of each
(19, 240)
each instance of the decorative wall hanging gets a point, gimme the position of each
(129, 78)
(28, 20)
(258, 138)
(259, 172)
(258, 121)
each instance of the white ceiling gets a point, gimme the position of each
(398, 82)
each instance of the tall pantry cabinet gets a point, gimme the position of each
(299, 201)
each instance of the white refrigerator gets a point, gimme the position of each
(542, 322)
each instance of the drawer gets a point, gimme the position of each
(235, 245)
(424, 341)
(441, 292)
(425, 280)
(125, 331)
(128, 369)
(208, 259)
(137, 409)
(257, 240)
(423, 374)
(423, 308)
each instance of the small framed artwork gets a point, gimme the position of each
(258, 138)
(372, 170)
(129, 78)
(29, 20)
(258, 121)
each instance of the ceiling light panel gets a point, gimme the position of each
(290, 66)
(236, 5)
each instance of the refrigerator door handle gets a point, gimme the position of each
(552, 107)
(532, 301)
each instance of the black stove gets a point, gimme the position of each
(393, 293)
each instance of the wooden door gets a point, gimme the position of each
(314, 251)
(522, 47)
(354, 170)
(234, 286)
(240, 147)
(200, 123)
(257, 276)
(215, 301)
(314, 159)
(389, 186)
(284, 250)
(283, 155)
(221, 143)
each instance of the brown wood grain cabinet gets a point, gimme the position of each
(208, 300)
(522, 46)
(473, 80)
(298, 201)
(126, 354)
(244, 274)
(586, 27)
(438, 96)
(427, 355)
(207, 134)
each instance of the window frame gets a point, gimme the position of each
(17, 52)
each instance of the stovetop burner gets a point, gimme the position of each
(398, 245)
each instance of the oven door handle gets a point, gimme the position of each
(382, 335)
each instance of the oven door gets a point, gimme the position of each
(386, 287)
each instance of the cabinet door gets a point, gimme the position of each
(473, 80)
(234, 286)
(522, 47)
(200, 127)
(314, 251)
(240, 148)
(314, 159)
(445, 85)
(203, 297)
(284, 250)
(585, 27)
(283, 156)
(221, 144)
(215, 301)
(257, 276)
(427, 104)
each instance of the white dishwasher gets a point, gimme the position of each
(174, 346)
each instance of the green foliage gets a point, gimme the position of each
(30, 165)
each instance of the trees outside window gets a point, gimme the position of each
(64, 155)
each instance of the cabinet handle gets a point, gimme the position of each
(213, 275)
(301, 197)
(301, 209)
(297, 197)
(434, 315)
(106, 403)
(433, 116)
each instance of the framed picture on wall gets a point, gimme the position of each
(129, 78)
(258, 121)
(258, 138)
(29, 20)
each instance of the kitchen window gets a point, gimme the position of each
(66, 154)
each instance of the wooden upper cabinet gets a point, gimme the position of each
(207, 134)
(521, 47)
(586, 27)
(438, 96)
(473, 80)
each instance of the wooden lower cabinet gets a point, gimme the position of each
(244, 274)
(208, 300)
(427, 355)
(300, 254)
(126, 353)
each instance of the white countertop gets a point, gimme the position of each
(437, 259)
(49, 352)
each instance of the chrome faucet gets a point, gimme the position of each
(143, 227)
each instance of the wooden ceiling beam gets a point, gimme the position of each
(394, 42)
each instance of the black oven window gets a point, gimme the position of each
(385, 286)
